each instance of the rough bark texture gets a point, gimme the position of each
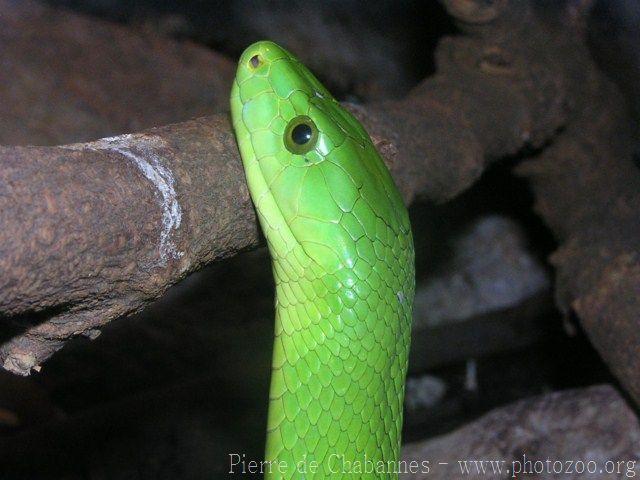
(593, 424)
(95, 231)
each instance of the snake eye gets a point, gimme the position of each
(301, 135)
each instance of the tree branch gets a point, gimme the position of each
(587, 190)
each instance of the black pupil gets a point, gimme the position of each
(301, 134)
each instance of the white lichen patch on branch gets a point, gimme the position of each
(143, 152)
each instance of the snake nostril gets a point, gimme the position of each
(255, 61)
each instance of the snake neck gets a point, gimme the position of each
(339, 365)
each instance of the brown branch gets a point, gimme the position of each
(593, 423)
(97, 230)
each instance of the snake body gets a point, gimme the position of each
(343, 263)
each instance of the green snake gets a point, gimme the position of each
(343, 262)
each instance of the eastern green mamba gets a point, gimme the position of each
(343, 262)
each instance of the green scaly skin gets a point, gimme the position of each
(343, 261)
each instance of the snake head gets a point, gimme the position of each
(313, 173)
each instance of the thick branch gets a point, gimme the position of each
(95, 231)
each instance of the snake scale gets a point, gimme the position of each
(343, 263)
